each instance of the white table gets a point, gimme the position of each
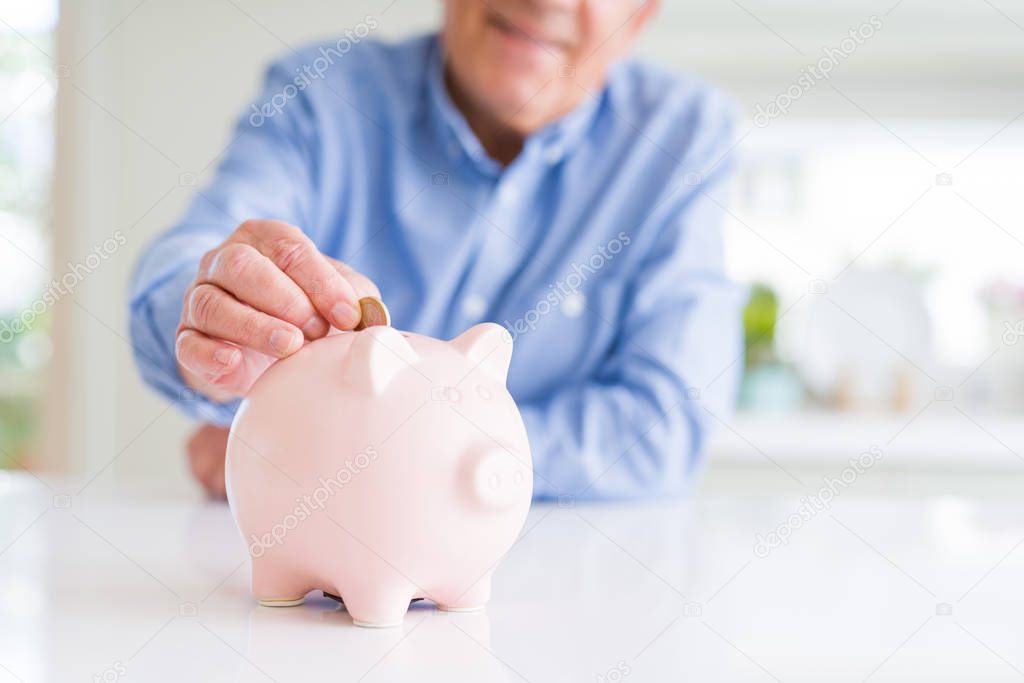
(109, 586)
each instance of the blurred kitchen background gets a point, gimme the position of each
(878, 215)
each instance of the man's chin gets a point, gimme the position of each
(521, 102)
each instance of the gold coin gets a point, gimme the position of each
(373, 313)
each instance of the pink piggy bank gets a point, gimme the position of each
(381, 467)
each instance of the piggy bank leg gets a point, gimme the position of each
(275, 585)
(462, 600)
(379, 606)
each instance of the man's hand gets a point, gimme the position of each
(206, 450)
(257, 298)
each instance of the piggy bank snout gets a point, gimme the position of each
(499, 478)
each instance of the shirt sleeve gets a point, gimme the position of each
(638, 426)
(264, 172)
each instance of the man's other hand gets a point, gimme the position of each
(206, 449)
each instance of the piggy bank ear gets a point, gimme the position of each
(489, 346)
(378, 354)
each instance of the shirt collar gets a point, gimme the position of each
(552, 143)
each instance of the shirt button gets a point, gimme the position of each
(553, 154)
(573, 305)
(474, 306)
(507, 194)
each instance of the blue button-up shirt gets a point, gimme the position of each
(599, 247)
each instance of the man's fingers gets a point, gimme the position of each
(215, 313)
(295, 254)
(252, 278)
(208, 358)
(220, 370)
(363, 285)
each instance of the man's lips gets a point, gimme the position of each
(524, 32)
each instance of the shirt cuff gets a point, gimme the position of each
(154, 317)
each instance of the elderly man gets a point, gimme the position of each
(515, 168)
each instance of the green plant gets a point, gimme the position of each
(759, 318)
(17, 430)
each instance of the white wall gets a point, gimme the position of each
(156, 96)
(153, 99)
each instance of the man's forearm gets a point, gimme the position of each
(618, 441)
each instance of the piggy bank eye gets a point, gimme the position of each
(483, 392)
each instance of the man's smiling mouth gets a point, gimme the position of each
(506, 26)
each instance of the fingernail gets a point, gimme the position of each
(282, 341)
(346, 316)
(225, 356)
(315, 327)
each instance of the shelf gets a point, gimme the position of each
(941, 436)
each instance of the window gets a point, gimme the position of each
(27, 99)
(878, 218)
(918, 257)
